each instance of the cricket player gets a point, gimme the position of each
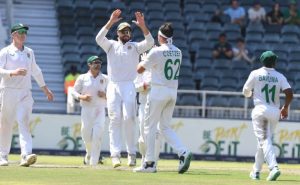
(90, 89)
(265, 84)
(163, 62)
(143, 85)
(17, 65)
(122, 59)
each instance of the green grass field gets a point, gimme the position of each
(57, 170)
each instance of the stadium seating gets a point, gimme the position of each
(194, 34)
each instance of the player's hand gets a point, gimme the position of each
(140, 21)
(49, 95)
(284, 112)
(143, 56)
(115, 16)
(101, 94)
(19, 72)
(86, 97)
(146, 86)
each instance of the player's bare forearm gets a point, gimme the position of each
(288, 97)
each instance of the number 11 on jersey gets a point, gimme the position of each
(268, 91)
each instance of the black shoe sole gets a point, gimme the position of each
(187, 165)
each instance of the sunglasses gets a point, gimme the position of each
(22, 32)
(96, 62)
(125, 32)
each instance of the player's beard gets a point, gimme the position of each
(125, 38)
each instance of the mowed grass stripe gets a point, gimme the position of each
(69, 170)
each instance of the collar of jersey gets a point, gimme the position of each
(267, 68)
(14, 48)
(90, 74)
(122, 42)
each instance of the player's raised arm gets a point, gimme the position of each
(114, 18)
(140, 22)
(101, 40)
(149, 41)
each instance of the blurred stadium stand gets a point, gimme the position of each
(63, 33)
(40, 15)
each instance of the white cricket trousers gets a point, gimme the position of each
(141, 140)
(159, 110)
(92, 128)
(16, 105)
(264, 120)
(121, 107)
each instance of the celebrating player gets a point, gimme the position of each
(143, 85)
(122, 59)
(164, 64)
(17, 65)
(266, 84)
(90, 89)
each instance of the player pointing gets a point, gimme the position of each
(122, 59)
(163, 62)
(266, 84)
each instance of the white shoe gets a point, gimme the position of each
(146, 168)
(274, 174)
(27, 160)
(116, 162)
(131, 160)
(86, 160)
(4, 160)
(184, 162)
(254, 175)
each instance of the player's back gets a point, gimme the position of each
(167, 67)
(267, 85)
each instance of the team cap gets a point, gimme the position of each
(123, 25)
(93, 58)
(19, 26)
(268, 56)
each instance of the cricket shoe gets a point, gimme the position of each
(101, 160)
(146, 167)
(86, 160)
(131, 160)
(184, 162)
(254, 175)
(3, 160)
(274, 174)
(27, 160)
(116, 162)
